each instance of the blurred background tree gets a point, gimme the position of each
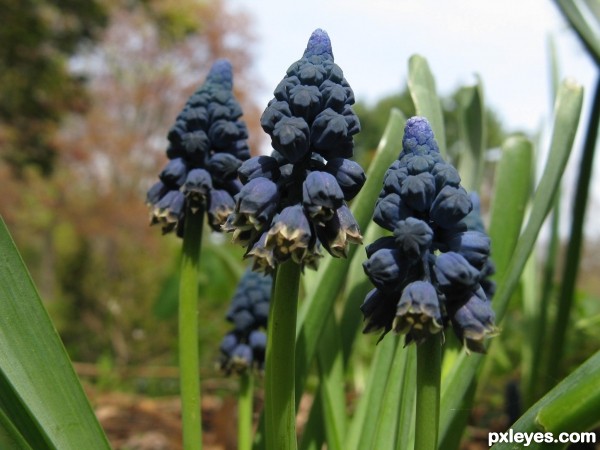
(88, 92)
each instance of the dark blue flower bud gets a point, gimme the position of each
(228, 344)
(195, 144)
(329, 135)
(223, 166)
(312, 75)
(194, 118)
(260, 310)
(222, 133)
(259, 166)
(390, 210)
(418, 191)
(305, 101)
(290, 138)
(256, 204)
(221, 73)
(338, 232)
(418, 137)
(450, 206)
(175, 137)
(156, 192)
(473, 245)
(197, 185)
(252, 289)
(321, 196)
(169, 210)
(378, 310)
(242, 358)
(282, 91)
(413, 237)
(257, 341)
(488, 286)
(454, 274)
(420, 163)
(382, 242)
(386, 269)
(445, 175)
(319, 44)
(473, 321)
(351, 119)
(349, 175)
(393, 179)
(275, 111)
(334, 95)
(221, 205)
(290, 235)
(243, 321)
(263, 257)
(418, 312)
(219, 112)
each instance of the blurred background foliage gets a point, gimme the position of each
(87, 94)
(88, 91)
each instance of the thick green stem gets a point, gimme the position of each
(188, 331)
(429, 370)
(280, 411)
(245, 411)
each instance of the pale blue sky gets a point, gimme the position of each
(505, 42)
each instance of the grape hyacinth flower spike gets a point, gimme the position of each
(244, 346)
(432, 272)
(207, 144)
(293, 202)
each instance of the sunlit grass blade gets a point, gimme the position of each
(364, 422)
(331, 374)
(393, 408)
(35, 365)
(313, 436)
(576, 236)
(10, 438)
(357, 287)
(327, 282)
(572, 406)
(531, 320)
(472, 130)
(512, 190)
(584, 28)
(421, 85)
(567, 111)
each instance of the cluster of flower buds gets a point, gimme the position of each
(429, 273)
(294, 201)
(207, 145)
(245, 346)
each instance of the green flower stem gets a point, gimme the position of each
(429, 370)
(245, 410)
(188, 331)
(280, 410)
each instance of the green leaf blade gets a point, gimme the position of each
(35, 364)
(421, 85)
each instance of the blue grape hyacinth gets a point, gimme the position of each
(207, 145)
(293, 202)
(433, 271)
(245, 345)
